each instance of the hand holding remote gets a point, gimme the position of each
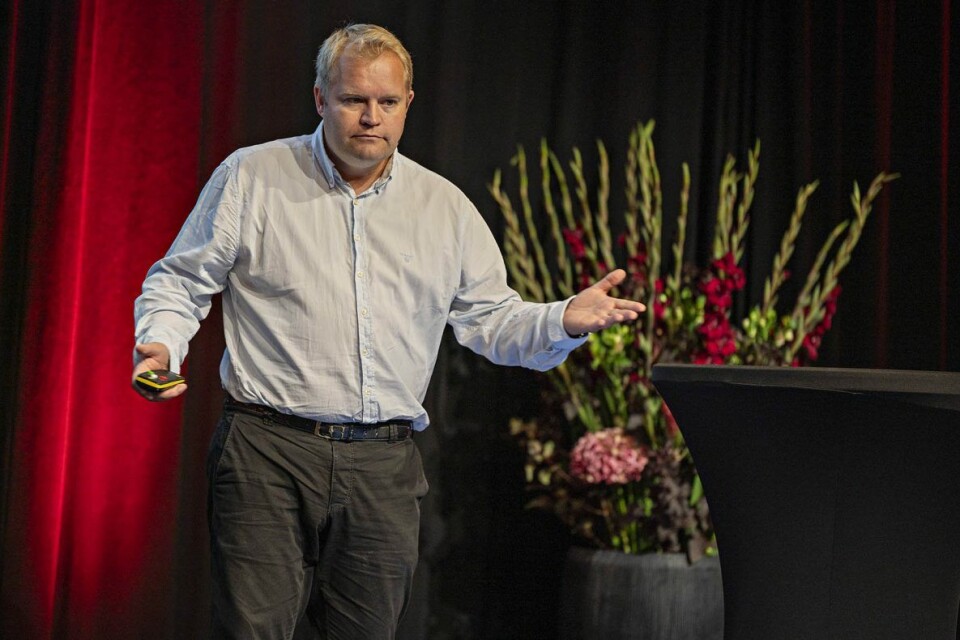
(155, 357)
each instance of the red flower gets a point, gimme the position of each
(726, 269)
(813, 340)
(719, 340)
(811, 344)
(714, 327)
(721, 347)
(659, 304)
(722, 279)
(718, 296)
(712, 286)
(574, 239)
(707, 359)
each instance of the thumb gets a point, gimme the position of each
(147, 350)
(156, 351)
(611, 280)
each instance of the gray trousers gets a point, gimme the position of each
(310, 537)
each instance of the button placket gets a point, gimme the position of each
(364, 317)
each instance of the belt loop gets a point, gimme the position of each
(393, 432)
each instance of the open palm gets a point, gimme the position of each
(593, 309)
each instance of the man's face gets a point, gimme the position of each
(363, 114)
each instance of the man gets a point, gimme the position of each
(340, 262)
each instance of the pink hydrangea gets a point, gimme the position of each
(609, 457)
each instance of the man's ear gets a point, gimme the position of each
(409, 98)
(318, 99)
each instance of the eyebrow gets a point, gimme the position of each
(354, 94)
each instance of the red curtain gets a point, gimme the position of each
(90, 528)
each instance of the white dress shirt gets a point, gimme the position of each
(334, 304)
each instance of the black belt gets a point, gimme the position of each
(391, 430)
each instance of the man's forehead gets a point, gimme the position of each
(353, 57)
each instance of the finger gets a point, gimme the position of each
(629, 305)
(175, 392)
(618, 317)
(625, 314)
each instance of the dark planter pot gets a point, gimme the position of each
(616, 596)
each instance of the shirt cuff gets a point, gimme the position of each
(177, 354)
(559, 338)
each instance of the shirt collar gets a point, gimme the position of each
(330, 173)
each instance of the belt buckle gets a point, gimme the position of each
(337, 431)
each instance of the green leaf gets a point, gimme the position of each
(696, 491)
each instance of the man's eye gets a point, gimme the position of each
(390, 103)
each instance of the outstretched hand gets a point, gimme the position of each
(593, 309)
(154, 356)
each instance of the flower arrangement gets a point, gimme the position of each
(605, 453)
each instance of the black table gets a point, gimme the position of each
(835, 494)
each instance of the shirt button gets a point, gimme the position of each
(363, 312)
(359, 274)
(364, 353)
(356, 202)
(356, 237)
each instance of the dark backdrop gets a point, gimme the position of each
(113, 116)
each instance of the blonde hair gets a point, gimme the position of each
(369, 41)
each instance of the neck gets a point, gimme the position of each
(362, 181)
(360, 178)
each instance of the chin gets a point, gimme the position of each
(372, 155)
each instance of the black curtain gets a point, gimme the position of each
(834, 92)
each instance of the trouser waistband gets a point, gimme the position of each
(390, 430)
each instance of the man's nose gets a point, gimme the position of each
(371, 114)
